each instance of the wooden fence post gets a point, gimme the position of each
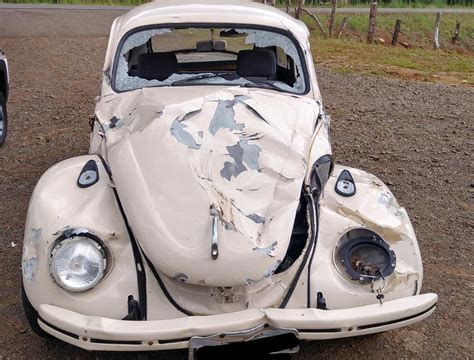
(342, 27)
(298, 9)
(457, 29)
(436, 32)
(372, 22)
(398, 25)
(333, 17)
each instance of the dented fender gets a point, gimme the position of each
(59, 206)
(375, 208)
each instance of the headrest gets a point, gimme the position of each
(157, 66)
(257, 63)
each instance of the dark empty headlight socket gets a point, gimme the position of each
(362, 255)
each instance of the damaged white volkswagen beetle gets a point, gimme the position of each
(210, 210)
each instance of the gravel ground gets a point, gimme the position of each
(416, 137)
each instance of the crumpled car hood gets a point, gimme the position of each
(239, 151)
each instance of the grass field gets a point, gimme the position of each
(453, 64)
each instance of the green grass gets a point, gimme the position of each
(348, 56)
(416, 29)
(398, 4)
(453, 64)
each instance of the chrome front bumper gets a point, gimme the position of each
(98, 333)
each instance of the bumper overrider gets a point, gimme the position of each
(104, 334)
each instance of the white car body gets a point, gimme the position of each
(211, 237)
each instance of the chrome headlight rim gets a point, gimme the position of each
(72, 236)
(363, 238)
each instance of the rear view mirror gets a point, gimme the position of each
(211, 45)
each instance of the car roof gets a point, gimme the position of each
(209, 11)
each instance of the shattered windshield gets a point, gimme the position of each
(210, 56)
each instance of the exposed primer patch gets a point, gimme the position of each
(181, 277)
(30, 255)
(178, 131)
(267, 250)
(224, 117)
(272, 269)
(389, 201)
(114, 123)
(190, 115)
(228, 225)
(36, 234)
(69, 232)
(256, 218)
(30, 266)
(245, 157)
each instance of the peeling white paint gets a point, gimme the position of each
(268, 250)
(207, 147)
(178, 130)
(271, 270)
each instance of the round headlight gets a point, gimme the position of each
(77, 263)
(367, 258)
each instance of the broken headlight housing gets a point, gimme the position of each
(364, 256)
(77, 263)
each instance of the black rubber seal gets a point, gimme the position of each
(137, 252)
(140, 269)
(308, 254)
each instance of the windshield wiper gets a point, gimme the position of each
(267, 85)
(197, 77)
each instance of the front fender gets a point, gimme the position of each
(57, 205)
(372, 207)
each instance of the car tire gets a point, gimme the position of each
(3, 120)
(32, 315)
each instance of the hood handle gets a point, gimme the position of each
(215, 220)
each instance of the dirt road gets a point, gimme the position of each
(416, 137)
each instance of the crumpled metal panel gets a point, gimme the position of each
(240, 151)
(375, 208)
